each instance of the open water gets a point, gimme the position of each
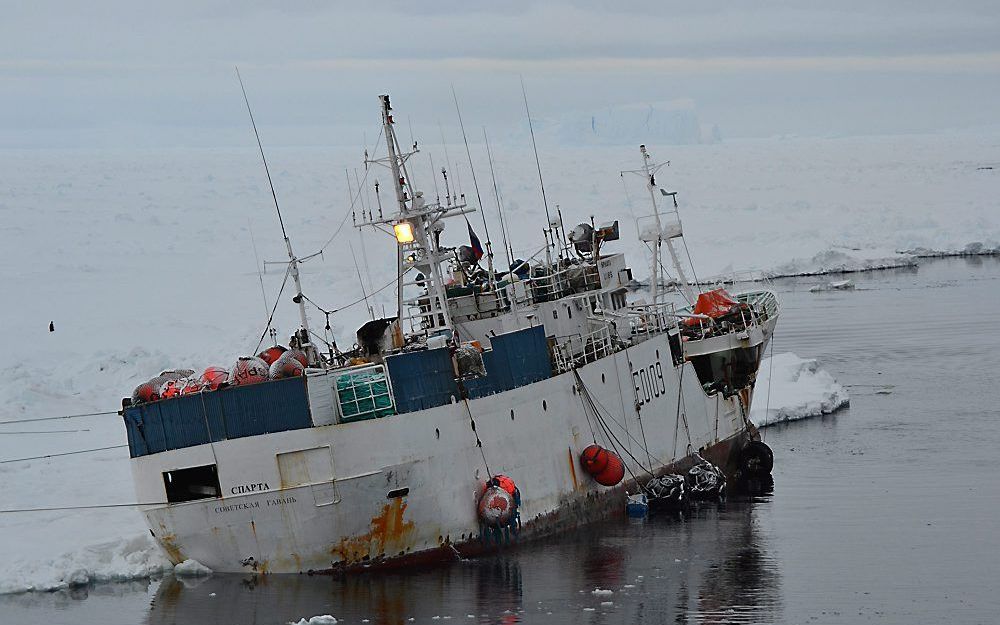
(884, 512)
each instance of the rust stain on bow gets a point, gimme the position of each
(388, 534)
(167, 541)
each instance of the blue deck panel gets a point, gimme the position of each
(422, 379)
(517, 358)
(213, 416)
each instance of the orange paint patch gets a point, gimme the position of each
(387, 533)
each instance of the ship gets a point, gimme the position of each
(494, 408)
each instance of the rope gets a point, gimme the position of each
(770, 371)
(65, 453)
(69, 416)
(86, 507)
(638, 412)
(607, 431)
(680, 414)
(627, 434)
(479, 443)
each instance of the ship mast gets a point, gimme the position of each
(417, 226)
(663, 234)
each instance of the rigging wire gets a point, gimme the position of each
(681, 414)
(357, 301)
(69, 416)
(607, 431)
(350, 209)
(260, 274)
(277, 300)
(86, 507)
(770, 372)
(65, 453)
(496, 193)
(628, 434)
(475, 184)
(538, 164)
(45, 431)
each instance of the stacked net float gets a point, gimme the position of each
(274, 363)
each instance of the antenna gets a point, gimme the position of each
(534, 147)
(447, 159)
(475, 184)
(361, 233)
(307, 346)
(496, 193)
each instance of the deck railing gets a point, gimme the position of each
(580, 349)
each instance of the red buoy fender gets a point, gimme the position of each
(286, 366)
(299, 355)
(594, 459)
(212, 377)
(613, 473)
(145, 392)
(249, 370)
(271, 354)
(496, 507)
(191, 386)
(505, 483)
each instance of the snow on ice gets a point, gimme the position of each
(790, 388)
(324, 619)
(144, 261)
(192, 568)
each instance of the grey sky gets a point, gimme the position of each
(122, 73)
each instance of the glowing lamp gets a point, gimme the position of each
(404, 232)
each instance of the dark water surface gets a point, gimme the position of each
(885, 512)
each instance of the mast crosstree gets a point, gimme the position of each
(417, 225)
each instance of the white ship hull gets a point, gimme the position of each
(405, 487)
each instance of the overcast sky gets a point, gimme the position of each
(125, 73)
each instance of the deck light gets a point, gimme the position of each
(404, 232)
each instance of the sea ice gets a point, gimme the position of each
(798, 388)
(325, 619)
(191, 568)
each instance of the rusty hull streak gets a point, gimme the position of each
(572, 468)
(388, 532)
(169, 544)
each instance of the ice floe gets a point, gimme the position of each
(798, 388)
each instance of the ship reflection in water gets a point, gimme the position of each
(712, 568)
